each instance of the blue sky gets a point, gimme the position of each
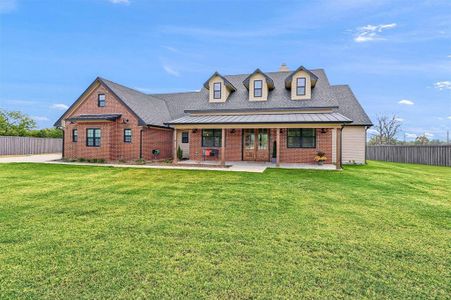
(395, 55)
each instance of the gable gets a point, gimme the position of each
(87, 103)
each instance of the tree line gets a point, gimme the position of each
(15, 123)
(388, 129)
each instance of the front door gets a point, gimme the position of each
(256, 144)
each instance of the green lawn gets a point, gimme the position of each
(375, 231)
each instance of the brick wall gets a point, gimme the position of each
(155, 138)
(233, 145)
(305, 155)
(113, 146)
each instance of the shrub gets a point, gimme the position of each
(179, 153)
(81, 159)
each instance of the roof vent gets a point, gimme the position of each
(284, 68)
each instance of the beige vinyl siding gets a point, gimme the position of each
(308, 86)
(183, 146)
(264, 96)
(353, 144)
(224, 90)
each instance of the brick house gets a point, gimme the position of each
(283, 116)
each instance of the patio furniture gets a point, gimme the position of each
(209, 152)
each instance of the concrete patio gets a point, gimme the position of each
(230, 166)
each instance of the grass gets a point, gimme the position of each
(375, 231)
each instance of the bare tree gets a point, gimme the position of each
(387, 129)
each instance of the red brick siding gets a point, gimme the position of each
(80, 150)
(289, 155)
(233, 145)
(305, 155)
(161, 139)
(113, 146)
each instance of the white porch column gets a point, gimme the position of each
(174, 149)
(338, 147)
(223, 139)
(277, 147)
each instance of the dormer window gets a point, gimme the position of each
(217, 90)
(258, 88)
(300, 86)
(301, 83)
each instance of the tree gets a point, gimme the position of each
(387, 128)
(46, 132)
(15, 123)
(422, 140)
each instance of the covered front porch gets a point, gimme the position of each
(260, 145)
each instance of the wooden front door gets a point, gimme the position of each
(256, 144)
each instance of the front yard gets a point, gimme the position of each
(376, 231)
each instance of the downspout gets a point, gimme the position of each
(341, 146)
(366, 143)
(63, 142)
(141, 144)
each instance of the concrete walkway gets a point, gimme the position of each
(36, 158)
(234, 166)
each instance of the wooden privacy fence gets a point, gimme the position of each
(18, 145)
(438, 155)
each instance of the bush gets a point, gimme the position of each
(81, 159)
(179, 153)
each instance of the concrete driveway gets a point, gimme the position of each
(36, 158)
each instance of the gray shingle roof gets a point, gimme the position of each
(158, 109)
(151, 110)
(349, 106)
(322, 96)
(263, 118)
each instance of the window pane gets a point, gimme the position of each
(257, 93)
(101, 97)
(97, 132)
(294, 132)
(185, 137)
(300, 91)
(97, 142)
(308, 142)
(249, 139)
(308, 132)
(90, 142)
(263, 139)
(207, 132)
(90, 133)
(294, 142)
(258, 84)
(217, 86)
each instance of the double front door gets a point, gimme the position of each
(256, 144)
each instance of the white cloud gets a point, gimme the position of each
(399, 119)
(373, 131)
(172, 49)
(405, 102)
(449, 118)
(428, 134)
(171, 71)
(40, 118)
(120, 1)
(443, 85)
(7, 6)
(59, 106)
(371, 32)
(411, 135)
(449, 56)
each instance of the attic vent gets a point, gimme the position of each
(283, 68)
